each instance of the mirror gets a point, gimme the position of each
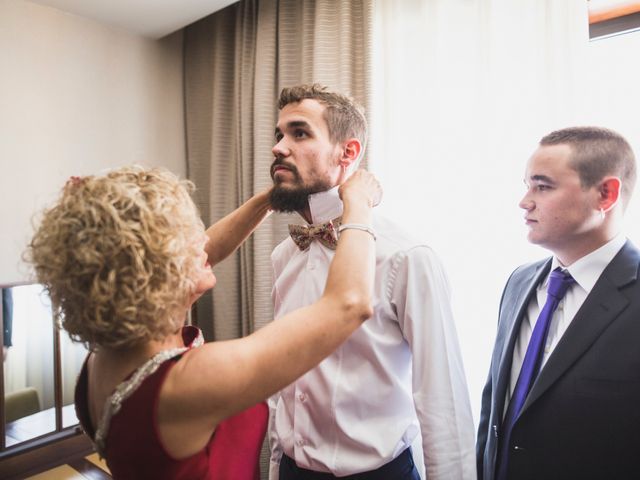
(28, 367)
(39, 369)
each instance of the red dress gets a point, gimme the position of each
(127, 436)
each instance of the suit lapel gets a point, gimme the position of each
(601, 307)
(511, 317)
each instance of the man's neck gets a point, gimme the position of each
(306, 213)
(578, 250)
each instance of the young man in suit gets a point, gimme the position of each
(563, 392)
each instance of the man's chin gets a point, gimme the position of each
(285, 176)
(539, 241)
(285, 185)
(288, 199)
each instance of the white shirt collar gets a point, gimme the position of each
(325, 206)
(588, 269)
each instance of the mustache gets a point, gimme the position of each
(279, 162)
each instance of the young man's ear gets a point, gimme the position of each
(609, 191)
(350, 152)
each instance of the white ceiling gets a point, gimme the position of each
(150, 18)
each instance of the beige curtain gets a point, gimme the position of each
(236, 62)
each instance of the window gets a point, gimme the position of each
(613, 17)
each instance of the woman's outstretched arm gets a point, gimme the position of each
(228, 233)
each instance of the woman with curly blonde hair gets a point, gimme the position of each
(123, 257)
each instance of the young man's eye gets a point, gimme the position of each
(299, 134)
(543, 188)
(278, 137)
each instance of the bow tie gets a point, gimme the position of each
(325, 233)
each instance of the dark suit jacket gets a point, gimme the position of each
(581, 419)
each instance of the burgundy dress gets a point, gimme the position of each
(127, 436)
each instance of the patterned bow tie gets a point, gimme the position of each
(325, 233)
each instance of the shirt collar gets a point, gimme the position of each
(588, 269)
(325, 206)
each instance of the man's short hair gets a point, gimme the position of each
(598, 152)
(344, 116)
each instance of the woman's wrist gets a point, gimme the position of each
(357, 226)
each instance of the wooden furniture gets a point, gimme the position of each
(21, 404)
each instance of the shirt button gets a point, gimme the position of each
(312, 266)
(302, 397)
(300, 442)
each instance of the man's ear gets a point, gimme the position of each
(350, 152)
(609, 190)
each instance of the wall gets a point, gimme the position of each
(77, 97)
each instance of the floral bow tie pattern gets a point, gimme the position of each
(325, 233)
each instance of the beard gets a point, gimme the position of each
(294, 197)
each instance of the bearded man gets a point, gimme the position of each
(393, 398)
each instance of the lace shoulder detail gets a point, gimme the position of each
(128, 387)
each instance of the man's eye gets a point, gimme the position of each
(543, 188)
(300, 134)
(278, 137)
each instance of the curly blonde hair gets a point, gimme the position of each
(117, 254)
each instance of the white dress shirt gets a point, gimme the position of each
(397, 382)
(585, 272)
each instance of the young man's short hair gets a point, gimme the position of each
(598, 152)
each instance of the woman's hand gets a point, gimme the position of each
(361, 184)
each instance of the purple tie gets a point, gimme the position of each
(559, 283)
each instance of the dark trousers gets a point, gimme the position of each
(400, 468)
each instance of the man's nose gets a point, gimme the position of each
(526, 203)
(280, 149)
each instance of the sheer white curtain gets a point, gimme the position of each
(462, 92)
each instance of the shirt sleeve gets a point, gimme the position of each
(274, 445)
(421, 295)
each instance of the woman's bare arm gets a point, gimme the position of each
(228, 233)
